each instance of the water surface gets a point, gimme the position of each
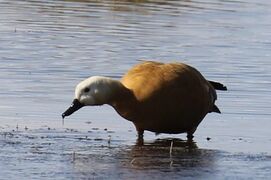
(47, 47)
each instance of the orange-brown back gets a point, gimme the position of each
(172, 98)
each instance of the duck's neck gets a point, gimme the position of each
(124, 102)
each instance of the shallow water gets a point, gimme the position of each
(47, 47)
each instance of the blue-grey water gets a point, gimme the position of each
(47, 47)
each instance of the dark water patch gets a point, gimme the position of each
(74, 155)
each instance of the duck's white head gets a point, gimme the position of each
(96, 90)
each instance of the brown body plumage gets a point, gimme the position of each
(164, 98)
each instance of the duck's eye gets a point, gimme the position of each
(86, 90)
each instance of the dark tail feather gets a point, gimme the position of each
(215, 109)
(218, 86)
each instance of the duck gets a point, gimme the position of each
(159, 97)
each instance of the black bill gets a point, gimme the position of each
(74, 107)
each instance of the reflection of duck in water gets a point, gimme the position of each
(162, 98)
(167, 142)
(186, 158)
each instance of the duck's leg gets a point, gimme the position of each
(140, 134)
(140, 131)
(140, 140)
(190, 134)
